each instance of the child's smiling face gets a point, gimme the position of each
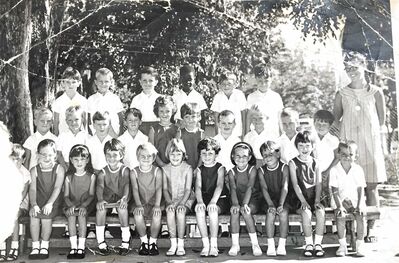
(226, 125)
(289, 125)
(304, 149)
(145, 158)
(322, 126)
(47, 156)
(165, 114)
(132, 123)
(101, 127)
(148, 83)
(208, 157)
(187, 81)
(191, 121)
(271, 157)
(70, 86)
(241, 157)
(229, 84)
(176, 157)
(348, 155)
(74, 121)
(103, 83)
(113, 158)
(43, 123)
(79, 162)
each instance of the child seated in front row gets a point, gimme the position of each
(210, 193)
(113, 187)
(79, 193)
(44, 195)
(245, 196)
(18, 156)
(348, 182)
(164, 109)
(178, 194)
(305, 193)
(146, 182)
(273, 178)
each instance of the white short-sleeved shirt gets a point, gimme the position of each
(287, 148)
(145, 104)
(270, 104)
(325, 150)
(347, 183)
(67, 140)
(236, 103)
(256, 140)
(181, 98)
(33, 141)
(226, 145)
(62, 103)
(131, 144)
(96, 148)
(109, 102)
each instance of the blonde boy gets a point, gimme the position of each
(268, 101)
(43, 120)
(230, 98)
(106, 101)
(289, 123)
(71, 80)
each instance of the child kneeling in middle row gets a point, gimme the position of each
(244, 196)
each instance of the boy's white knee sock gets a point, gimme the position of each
(100, 234)
(74, 242)
(318, 239)
(152, 240)
(82, 243)
(309, 240)
(205, 242)
(254, 238)
(125, 234)
(214, 242)
(235, 239)
(14, 244)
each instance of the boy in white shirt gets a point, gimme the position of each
(132, 138)
(101, 124)
(106, 101)
(187, 93)
(347, 181)
(71, 80)
(268, 101)
(289, 122)
(230, 98)
(43, 120)
(146, 99)
(225, 138)
(74, 135)
(258, 135)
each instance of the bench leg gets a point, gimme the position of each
(22, 238)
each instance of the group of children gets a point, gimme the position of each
(163, 163)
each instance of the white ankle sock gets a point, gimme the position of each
(254, 238)
(235, 239)
(205, 242)
(74, 242)
(144, 239)
(270, 242)
(281, 242)
(3, 245)
(14, 244)
(318, 239)
(82, 243)
(309, 240)
(214, 242)
(44, 244)
(152, 240)
(180, 242)
(100, 234)
(125, 234)
(35, 244)
(342, 242)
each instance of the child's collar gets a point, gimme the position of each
(133, 136)
(145, 171)
(117, 169)
(192, 131)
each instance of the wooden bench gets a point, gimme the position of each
(294, 219)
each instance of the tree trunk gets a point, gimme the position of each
(15, 39)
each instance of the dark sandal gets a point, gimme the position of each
(308, 252)
(80, 254)
(319, 251)
(103, 251)
(124, 251)
(72, 254)
(13, 255)
(3, 257)
(44, 255)
(34, 256)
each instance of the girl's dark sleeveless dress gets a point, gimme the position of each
(209, 177)
(274, 181)
(241, 181)
(79, 189)
(162, 138)
(114, 183)
(306, 178)
(45, 182)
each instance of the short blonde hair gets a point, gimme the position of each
(147, 146)
(175, 145)
(74, 109)
(42, 111)
(105, 72)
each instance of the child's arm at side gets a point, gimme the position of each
(57, 190)
(120, 123)
(265, 191)
(296, 187)
(216, 116)
(28, 155)
(71, 208)
(100, 191)
(32, 194)
(187, 188)
(235, 206)
(139, 210)
(25, 190)
(166, 194)
(198, 191)
(317, 203)
(338, 109)
(219, 188)
(284, 191)
(89, 199)
(380, 106)
(56, 124)
(250, 188)
(158, 192)
(123, 201)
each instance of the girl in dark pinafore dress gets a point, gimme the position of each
(78, 196)
(44, 195)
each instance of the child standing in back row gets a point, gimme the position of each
(211, 194)
(245, 196)
(305, 193)
(178, 194)
(44, 195)
(273, 178)
(146, 182)
(79, 190)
